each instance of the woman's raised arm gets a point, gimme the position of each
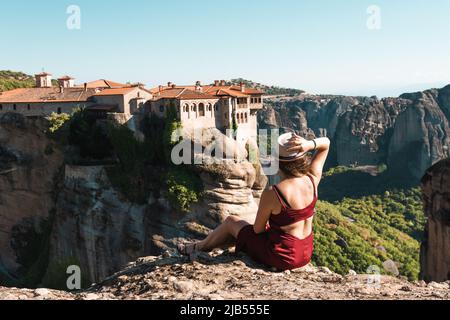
(322, 147)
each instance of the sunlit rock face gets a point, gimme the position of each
(435, 250)
(409, 133)
(101, 231)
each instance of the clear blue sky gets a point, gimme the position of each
(322, 46)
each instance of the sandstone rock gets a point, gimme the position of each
(30, 164)
(351, 272)
(422, 132)
(380, 131)
(435, 248)
(183, 286)
(173, 278)
(391, 267)
(324, 270)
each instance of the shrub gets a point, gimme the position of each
(91, 138)
(56, 276)
(57, 121)
(184, 188)
(129, 175)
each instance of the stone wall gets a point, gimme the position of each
(41, 109)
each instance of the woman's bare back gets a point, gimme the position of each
(299, 193)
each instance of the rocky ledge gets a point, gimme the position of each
(225, 275)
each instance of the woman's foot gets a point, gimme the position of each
(187, 249)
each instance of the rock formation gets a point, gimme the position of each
(30, 166)
(369, 131)
(435, 250)
(87, 221)
(232, 184)
(224, 275)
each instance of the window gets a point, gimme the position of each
(246, 117)
(215, 107)
(201, 109)
(28, 107)
(15, 107)
(139, 94)
(1, 107)
(161, 109)
(59, 110)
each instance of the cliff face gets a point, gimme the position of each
(30, 164)
(368, 131)
(98, 229)
(76, 214)
(435, 250)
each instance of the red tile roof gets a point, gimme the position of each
(43, 74)
(66, 78)
(48, 95)
(115, 92)
(233, 91)
(181, 94)
(102, 83)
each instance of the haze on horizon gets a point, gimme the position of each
(321, 46)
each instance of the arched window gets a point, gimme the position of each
(186, 108)
(215, 107)
(201, 109)
(246, 117)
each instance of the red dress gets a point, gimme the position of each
(275, 247)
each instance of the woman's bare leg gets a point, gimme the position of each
(224, 234)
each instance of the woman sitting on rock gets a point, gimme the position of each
(282, 236)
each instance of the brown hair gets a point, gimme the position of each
(297, 168)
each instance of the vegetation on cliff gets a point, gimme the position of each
(364, 221)
(10, 80)
(269, 90)
(138, 168)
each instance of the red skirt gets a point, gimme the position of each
(275, 248)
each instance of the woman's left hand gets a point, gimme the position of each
(297, 143)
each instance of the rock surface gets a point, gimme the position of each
(435, 250)
(380, 131)
(232, 184)
(30, 165)
(90, 224)
(225, 275)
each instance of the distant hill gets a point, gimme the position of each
(12, 80)
(269, 90)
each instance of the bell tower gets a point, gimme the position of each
(43, 80)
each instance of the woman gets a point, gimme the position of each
(282, 235)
